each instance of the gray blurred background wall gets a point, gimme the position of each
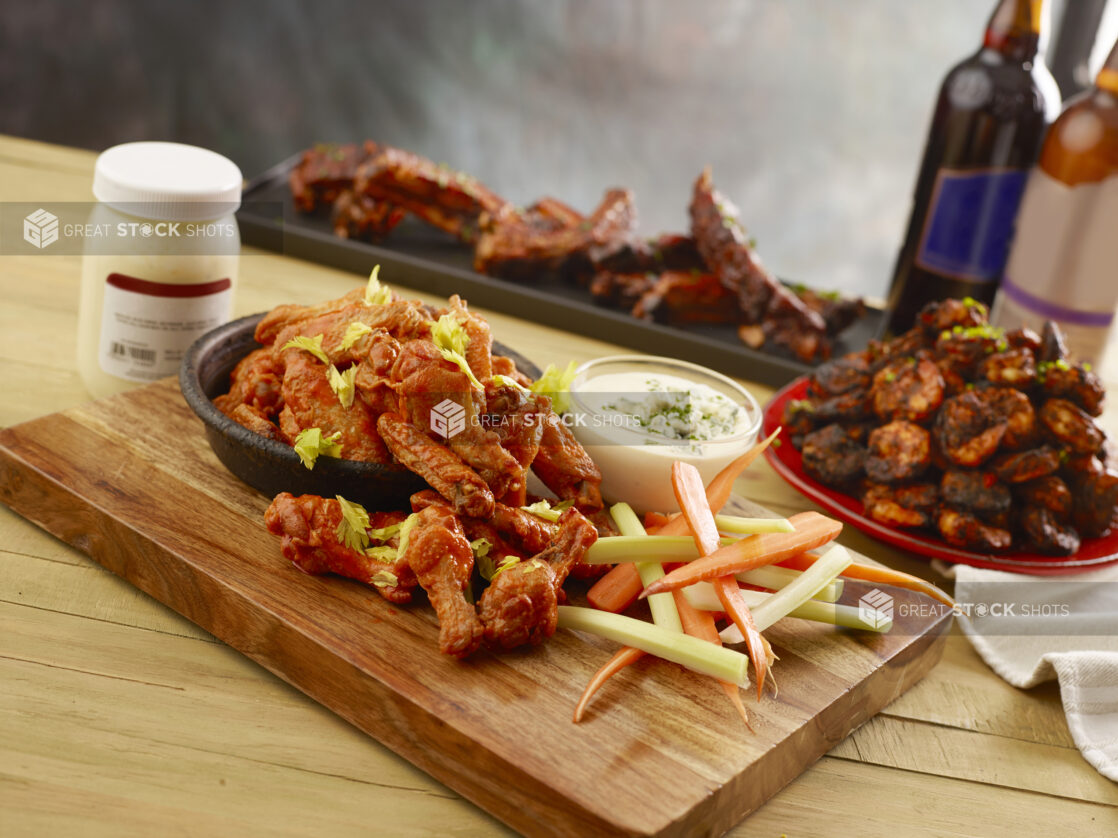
(812, 112)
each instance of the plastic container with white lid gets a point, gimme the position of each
(160, 264)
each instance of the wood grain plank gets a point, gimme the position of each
(203, 551)
(839, 797)
(86, 589)
(962, 692)
(983, 758)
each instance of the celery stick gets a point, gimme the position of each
(795, 593)
(628, 548)
(699, 655)
(702, 596)
(749, 526)
(662, 606)
(776, 578)
(847, 616)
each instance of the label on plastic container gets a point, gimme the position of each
(146, 327)
(1063, 263)
(970, 223)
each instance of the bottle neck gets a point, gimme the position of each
(1108, 76)
(1017, 29)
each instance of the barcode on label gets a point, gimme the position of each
(136, 353)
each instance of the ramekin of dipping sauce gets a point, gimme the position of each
(637, 414)
(160, 262)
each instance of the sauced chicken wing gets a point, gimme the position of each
(438, 465)
(832, 457)
(519, 419)
(1023, 466)
(975, 490)
(1070, 426)
(529, 533)
(284, 316)
(519, 606)
(967, 430)
(255, 420)
(564, 467)
(901, 506)
(403, 320)
(479, 346)
(309, 402)
(966, 530)
(505, 366)
(425, 382)
(308, 527)
(897, 452)
(254, 382)
(1046, 534)
(441, 559)
(907, 389)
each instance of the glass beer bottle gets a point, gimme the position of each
(989, 120)
(1064, 263)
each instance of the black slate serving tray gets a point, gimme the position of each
(422, 257)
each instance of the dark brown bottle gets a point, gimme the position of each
(989, 121)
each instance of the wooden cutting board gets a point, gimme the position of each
(131, 481)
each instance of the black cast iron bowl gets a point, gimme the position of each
(273, 467)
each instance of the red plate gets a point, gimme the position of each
(785, 459)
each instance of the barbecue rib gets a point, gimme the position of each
(682, 297)
(325, 171)
(724, 246)
(450, 200)
(520, 244)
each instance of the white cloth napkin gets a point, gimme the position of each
(1031, 629)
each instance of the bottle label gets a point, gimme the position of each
(1062, 265)
(970, 224)
(146, 327)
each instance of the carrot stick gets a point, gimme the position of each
(617, 590)
(701, 624)
(730, 596)
(812, 530)
(692, 500)
(878, 575)
(622, 658)
(718, 492)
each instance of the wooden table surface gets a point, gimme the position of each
(119, 717)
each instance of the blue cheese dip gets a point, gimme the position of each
(668, 408)
(635, 415)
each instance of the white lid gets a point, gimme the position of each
(169, 181)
